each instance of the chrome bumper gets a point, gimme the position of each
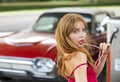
(24, 66)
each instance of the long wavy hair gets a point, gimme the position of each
(64, 44)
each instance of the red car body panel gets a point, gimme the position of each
(31, 49)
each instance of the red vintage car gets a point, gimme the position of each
(31, 54)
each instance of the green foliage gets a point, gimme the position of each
(33, 0)
(47, 5)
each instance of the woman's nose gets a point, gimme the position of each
(81, 35)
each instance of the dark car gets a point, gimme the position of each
(31, 54)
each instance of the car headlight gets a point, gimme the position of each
(44, 65)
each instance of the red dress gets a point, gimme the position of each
(91, 75)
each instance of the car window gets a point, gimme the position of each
(48, 22)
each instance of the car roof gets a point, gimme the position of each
(91, 11)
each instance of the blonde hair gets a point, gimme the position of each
(64, 44)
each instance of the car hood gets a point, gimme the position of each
(30, 38)
(5, 34)
(29, 45)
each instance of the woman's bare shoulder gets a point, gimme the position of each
(79, 58)
(80, 55)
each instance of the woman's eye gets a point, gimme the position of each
(84, 30)
(78, 30)
(75, 31)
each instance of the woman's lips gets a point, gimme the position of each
(81, 42)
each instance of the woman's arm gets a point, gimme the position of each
(105, 49)
(100, 67)
(80, 73)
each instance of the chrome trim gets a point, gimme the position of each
(15, 61)
(21, 66)
(13, 71)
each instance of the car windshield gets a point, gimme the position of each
(48, 22)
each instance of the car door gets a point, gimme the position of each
(113, 34)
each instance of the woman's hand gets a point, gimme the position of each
(105, 48)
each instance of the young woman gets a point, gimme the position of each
(74, 61)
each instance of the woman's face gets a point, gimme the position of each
(78, 35)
